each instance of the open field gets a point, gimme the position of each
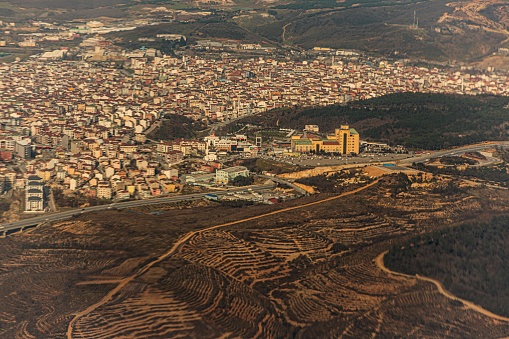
(76, 4)
(304, 272)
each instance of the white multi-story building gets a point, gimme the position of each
(104, 191)
(223, 176)
(34, 194)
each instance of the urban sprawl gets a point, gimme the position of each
(81, 126)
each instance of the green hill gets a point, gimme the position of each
(415, 120)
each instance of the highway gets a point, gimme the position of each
(286, 182)
(20, 225)
(362, 159)
(64, 215)
(453, 152)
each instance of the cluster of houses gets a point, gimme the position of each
(86, 125)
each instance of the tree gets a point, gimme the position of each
(242, 181)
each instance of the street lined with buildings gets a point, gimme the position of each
(81, 127)
(19, 225)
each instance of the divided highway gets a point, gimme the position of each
(20, 225)
(453, 152)
(285, 182)
(64, 215)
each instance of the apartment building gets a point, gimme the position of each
(34, 194)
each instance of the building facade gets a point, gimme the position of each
(223, 176)
(23, 149)
(34, 194)
(345, 140)
(348, 139)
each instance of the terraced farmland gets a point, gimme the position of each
(306, 272)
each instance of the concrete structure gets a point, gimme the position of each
(31, 222)
(199, 179)
(258, 141)
(223, 176)
(348, 140)
(312, 128)
(344, 141)
(104, 191)
(23, 149)
(34, 194)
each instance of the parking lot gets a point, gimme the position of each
(319, 160)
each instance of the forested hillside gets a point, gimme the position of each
(471, 261)
(415, 120)
(177, 127)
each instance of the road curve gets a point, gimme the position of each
(379, 260)
(179, 244)
(455, 151)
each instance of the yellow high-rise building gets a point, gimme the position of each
(345, 140)
(348, 139)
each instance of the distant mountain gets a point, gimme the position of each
(434, 30)
(67, 4)
(441, 30)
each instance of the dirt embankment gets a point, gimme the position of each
(265, 271)
(316, 171)
(498, 62)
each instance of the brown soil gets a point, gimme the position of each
(498, 62)
(374, 171)
(273, 276)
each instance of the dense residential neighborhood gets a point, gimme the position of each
(82, 127)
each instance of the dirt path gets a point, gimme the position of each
(181, 242)
(380, 263)
(284, 32)
(99, 282)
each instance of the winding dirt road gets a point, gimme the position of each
(379, 260)
(179, 244)
(284, 32)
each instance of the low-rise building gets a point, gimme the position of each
(123, 195)
(223, 176)
(104, 191)
(174, 157)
